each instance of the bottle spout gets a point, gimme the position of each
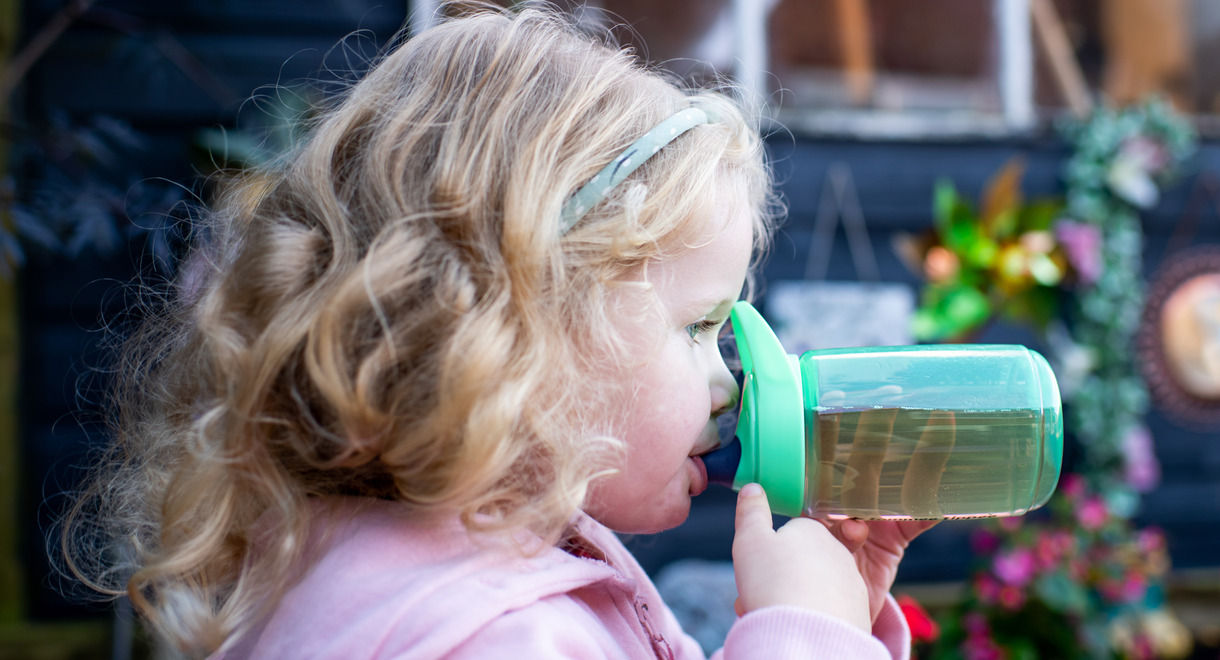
(722, 464)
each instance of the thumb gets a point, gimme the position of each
(753, 511)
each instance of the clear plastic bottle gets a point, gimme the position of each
(937, 431)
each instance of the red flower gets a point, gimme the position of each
(923, 628)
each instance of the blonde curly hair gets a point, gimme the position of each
(392, 311)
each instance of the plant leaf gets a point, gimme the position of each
(960, 231)
(93, 226)
(32, 228)
(944, 200)
(235, 149)
(1002, 198)
(982, 252)
(926, 325)
(1036, 305)
(1039, 215)
(949, 311)
(119, 132)
(1062, 593)
(11, 255)
(966, 308)
(911, 249)
(1004, 225)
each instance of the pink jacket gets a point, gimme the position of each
(388, 586)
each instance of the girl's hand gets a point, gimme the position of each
(877, 546)
(802, 564)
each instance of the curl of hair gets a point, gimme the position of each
(391, 311)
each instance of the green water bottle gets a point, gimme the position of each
(897, 432)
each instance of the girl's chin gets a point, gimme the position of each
(653, 521)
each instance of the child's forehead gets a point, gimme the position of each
(712, 259)
(723, 212)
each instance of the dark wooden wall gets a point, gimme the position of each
(120, 61)
(170, 70)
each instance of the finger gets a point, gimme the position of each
(753, 510)
(738, 607)
(853, 534)
(913, 528)
(868, 451)
(921, 484)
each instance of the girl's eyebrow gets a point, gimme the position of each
(707, 308)
(715, 306)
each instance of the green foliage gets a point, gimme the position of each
(279, 127)
(999, 260)
(1121, 158)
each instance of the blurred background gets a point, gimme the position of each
(1044, 172)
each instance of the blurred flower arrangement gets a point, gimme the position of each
(1003, 260)
(1121, 159)
(1083, 584)
(1078, 580)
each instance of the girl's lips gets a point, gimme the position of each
(698, 482)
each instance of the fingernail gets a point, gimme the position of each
(751, 490)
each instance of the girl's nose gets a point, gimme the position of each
(723, 388)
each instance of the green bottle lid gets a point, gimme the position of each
(771, 424)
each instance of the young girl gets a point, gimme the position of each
(418, 372)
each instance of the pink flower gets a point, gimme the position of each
(1128, 589)
(982, 649)
(1092, 514)
(1133, 588)
(1072, 486)
(1150, 540)
(1011, 598)
(1015, 568)
(1065, 543)
(987, 588)
(1082, 243)
(978, 644)
(1142, 469)
(976, 625)
(1011, 524)
(984, 541)
(1151, 155)
(1049, 548)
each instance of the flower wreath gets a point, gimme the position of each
(1081, 581)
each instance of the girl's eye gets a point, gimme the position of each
(701, 328)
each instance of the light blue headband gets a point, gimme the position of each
(620, 168)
